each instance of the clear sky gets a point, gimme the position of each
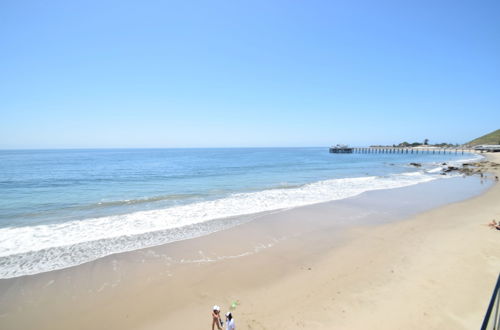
(84, 74)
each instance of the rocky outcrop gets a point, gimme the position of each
(479, 168)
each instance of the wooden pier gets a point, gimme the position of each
(401, 150)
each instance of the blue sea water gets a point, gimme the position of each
(60, 208)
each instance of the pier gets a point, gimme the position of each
(401, 150)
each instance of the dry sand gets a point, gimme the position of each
(433, 270)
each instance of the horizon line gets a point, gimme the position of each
(129, 148)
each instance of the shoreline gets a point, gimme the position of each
(72, 243)
(302, 276)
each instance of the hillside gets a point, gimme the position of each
(491, 138)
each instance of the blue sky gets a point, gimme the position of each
(86, 74)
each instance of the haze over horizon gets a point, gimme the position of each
(124, 74)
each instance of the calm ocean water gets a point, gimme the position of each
(60, 208)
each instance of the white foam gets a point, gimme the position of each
(33, 249)
(435, 170)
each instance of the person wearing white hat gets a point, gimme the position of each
(216, 318)
(230, 321)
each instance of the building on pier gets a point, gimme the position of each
(341, 149)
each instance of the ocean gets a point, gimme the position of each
(61, 208)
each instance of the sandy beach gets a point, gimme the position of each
(384, 263)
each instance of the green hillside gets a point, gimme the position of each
(491, 138)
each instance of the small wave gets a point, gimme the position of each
(57, 208)
(435, 169)
(143, 200)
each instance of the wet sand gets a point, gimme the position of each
(418, 257)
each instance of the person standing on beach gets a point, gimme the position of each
(216, 318)
(230, 322)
